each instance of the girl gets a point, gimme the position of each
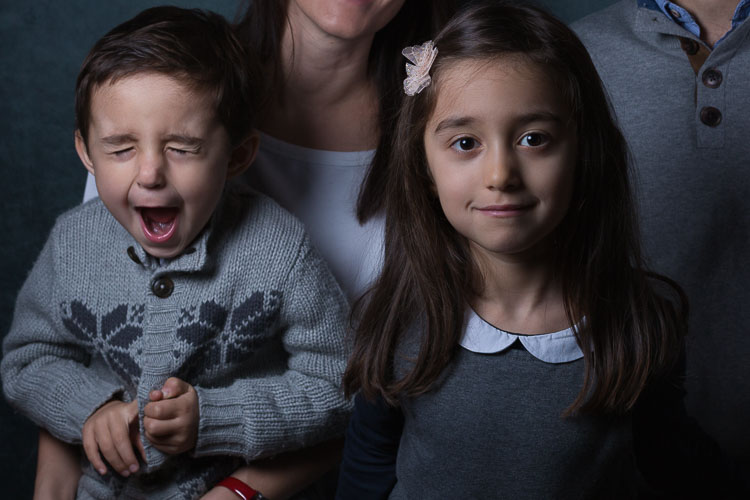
(514, 342)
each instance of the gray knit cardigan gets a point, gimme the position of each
(249, 315)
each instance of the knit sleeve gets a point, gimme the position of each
(303, 405)
(48, 374)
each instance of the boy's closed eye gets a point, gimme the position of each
(183, 151)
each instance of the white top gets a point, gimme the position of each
(482, 337)
(321, 189)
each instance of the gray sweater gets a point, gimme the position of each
(693, 182)
(492, 428)
(249, 315)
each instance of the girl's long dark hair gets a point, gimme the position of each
(633, 320)
(262, 25)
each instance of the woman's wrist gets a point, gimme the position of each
(241, 489)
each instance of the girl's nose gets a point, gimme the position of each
(151, 171)
(501, 172)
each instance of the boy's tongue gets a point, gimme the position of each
(158, 222)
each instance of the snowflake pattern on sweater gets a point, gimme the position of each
(211, 335)
(252, 319)
(214, 342)
(118, 330)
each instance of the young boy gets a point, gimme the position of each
(173, 316)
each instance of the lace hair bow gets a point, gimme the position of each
(418, 73)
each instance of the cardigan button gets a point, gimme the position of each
(712, 78)
(710, 116)
(133, 256)
(162, 287)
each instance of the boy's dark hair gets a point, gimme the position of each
(627, 329)
(195, 46)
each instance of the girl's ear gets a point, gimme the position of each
(83, 153)
(243, 155)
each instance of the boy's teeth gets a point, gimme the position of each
(159, 220)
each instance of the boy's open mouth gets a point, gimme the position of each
(159, 223)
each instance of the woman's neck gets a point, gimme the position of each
(327, 101)
(520, 295)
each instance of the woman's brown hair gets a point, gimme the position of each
(262, 25)
(627, 327)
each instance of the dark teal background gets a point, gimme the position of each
(42, 44)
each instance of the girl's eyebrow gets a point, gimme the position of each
(539, 116)
(454, 122)
(463, 121)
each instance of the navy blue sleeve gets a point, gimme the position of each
(368, 468)
(675, 456)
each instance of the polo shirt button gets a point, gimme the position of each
(689, 45)
(162, 287)
(712, 78)
(710, 116)
(675, 13)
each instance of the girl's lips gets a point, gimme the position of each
(507, 210)
(159, 223)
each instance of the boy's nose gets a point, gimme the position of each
(151, 172)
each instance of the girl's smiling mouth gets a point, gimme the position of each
(159, 224)
(505, 210)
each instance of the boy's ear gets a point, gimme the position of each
(83, 152)
(243, 155)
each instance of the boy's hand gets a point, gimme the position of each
(171, 418)
(113, 431)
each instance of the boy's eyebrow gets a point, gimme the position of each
(463, 121)
(117, 139)
(187, 140)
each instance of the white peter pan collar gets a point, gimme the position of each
(481, 337)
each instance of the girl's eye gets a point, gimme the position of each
(465, 144)
(534, 140)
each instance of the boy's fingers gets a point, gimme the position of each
(110, 453)
(164, 410)
(156, 430)
(121, 443)
(135, 439)
(167, 448)
(155, 395)
(92, 450)
(174, 387)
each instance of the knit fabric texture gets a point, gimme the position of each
(249, 315)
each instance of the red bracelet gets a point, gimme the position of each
(240, 489)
